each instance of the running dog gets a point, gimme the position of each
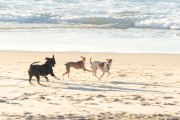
(104, 66)
(42, 70)
(76, 65)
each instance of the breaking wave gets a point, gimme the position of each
(90, 22)
(91, 13)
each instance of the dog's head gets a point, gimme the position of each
(109, 62)
(51, 61)
(83, 58)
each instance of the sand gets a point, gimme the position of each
(141, 86)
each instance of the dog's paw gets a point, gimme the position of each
(56, 78)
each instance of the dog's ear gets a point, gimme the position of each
(83, 58)
(53, 56)
(47, 58)
(107, 59)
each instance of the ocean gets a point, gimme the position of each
(116, 26)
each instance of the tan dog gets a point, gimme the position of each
(76, 65)
(104, 66)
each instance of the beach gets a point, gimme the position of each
(141, 37)
(141, 86)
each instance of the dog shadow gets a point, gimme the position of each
(140, 84)
(43, 85)
(102, 86)
(21, 80)
(91, 86)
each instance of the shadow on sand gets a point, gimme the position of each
(92, 86)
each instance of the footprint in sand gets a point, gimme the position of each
(89, 98)
(41, 98)
(145, 104)
(25, 98)
(60, 117)
(123, 75)
(100, 96)
(137, 97)
(117, 100)
(168, 74)
(168, 97)
(105, 116)
(157, 102)
(91, 104)
(127, 103)
(54, 103)
(15, 103)
(2, 101)
(169, 104)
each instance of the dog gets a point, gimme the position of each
(104, 66)
(42, 70)
(76, 65)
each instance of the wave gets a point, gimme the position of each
(48, 21)
(160, 24)
(161, 14)
(176, 35)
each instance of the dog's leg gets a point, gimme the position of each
(108, 73)
(63, 77)
(56, 78)
(30, 77)
(102, 75)
(83, 67)
(46, 78)
(95, 73)
(86, 70)
(68, 75)
(67, 71)
(38, 78)
(52, 74)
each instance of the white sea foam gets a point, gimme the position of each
(93, 13)
(160, 23)
(176, 35)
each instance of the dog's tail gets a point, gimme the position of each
(30, 67)
(90, 59)
(34, 63)
(65, 63)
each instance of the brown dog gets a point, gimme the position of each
(76, 65)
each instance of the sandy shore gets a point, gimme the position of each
(141, 86)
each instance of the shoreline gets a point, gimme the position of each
(120, 53)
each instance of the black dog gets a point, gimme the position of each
(42, 70)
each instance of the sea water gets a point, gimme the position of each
(118, 26)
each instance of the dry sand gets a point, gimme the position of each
(141, 86)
